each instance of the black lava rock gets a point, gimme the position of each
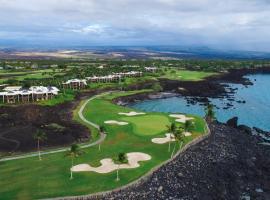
(233, 122)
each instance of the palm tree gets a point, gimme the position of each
(121, 158)
(210, 113)
(179, 137)
(39, 136)
(73, 153)
(171, 129)
(188, 125)
(102, 131)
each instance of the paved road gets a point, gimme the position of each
(100, 140)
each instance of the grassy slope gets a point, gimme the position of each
(62, 97)
(30, 178)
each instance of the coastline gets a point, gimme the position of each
(161, 189)
(229, 157)
(211, 87)
(144, 178)
(193, 91)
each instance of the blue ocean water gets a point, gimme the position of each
(255, 112)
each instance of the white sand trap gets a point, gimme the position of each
(107, 164)
(116, 122)
(132, 113)
(187, 134)
(169, 137)
(181, 118)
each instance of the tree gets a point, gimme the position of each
(179, 137)
(11, 81)
(39, 136)
(171, 129)
(73, 153)
(210, 113)
(102, 130)
(26, 84)
(188, 126)
(157, 87)
(121, 159)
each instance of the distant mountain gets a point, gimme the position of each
(205, 52)
(130, 52)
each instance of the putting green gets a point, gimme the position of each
(148, 124)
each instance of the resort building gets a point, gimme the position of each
(114, 77)
(15, 94)
(129, 74)
(2, 86)
(151, 69)
(75, 84)
(104, 79)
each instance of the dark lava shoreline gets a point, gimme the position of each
(197, 91)
(228, 165)
(19, 123)
(212, 87)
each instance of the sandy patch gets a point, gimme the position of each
(132, 113)
(181, 118)
(107, 164)
(169, 137)
(116, 122)
(187, 134)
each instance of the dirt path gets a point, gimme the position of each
(80, 113)
(17, 143)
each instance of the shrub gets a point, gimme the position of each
(55, 127)
(157, 87)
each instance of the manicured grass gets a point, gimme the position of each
(23, 75)
(186, 75)
(32, 179)
(151, 124)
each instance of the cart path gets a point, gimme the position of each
(80, 113)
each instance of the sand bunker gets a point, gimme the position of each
(169, 137)
(181, 118)
(132, 113)
(107, 165)
(116, 122)
(187, 134)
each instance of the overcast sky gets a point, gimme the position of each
(228, 24)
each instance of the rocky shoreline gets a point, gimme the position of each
(230, 164)
(212, 87)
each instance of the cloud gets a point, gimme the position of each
(237, 24)
(91, 29)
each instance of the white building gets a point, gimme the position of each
(75, 84)
(151, 69)
(129, 74)
(104, 79)
(13, 94)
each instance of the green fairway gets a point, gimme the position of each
(151, 124)
(29, 75)
(30, 178)
(186, 75)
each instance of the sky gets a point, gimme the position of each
(230, 24)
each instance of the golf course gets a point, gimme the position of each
(186, 75)
(127, 131)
